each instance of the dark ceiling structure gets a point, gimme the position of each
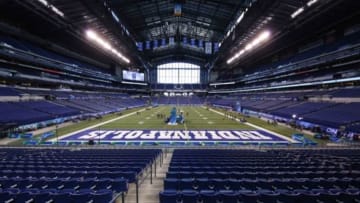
(124, 23)
(200, 19)
(205, 20)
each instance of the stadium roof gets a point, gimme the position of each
(124, 23)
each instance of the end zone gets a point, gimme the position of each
(219, 136)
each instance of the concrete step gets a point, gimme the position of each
(149, 193)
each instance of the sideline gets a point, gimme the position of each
(97, 125)
(260, 128)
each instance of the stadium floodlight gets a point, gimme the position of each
(311, 2)
(115, 16)
(134, 83)
(57, 11)
(92, 35)
(297, 12)
(52, 7)
(222, 83)
(240, 18)
(44, 2)
(263, 36)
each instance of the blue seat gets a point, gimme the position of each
(23, 183)
(309, 197)
(228, 196)
(38, 183)
(87, 184)
(169, 196)
(103, 183)
(288, 196)
(350, 195)
(102, 196)
(55, 183)
(119, 185)
(208, 196)
(219, 184)
(186, 183)
(233, 184)
(25, 196)
(269, 196)
(80, 197)
(61, 197)
(189, 196)
(67, 190)
(9, 183)
(72, 183)
(42, 196)
(250, 197)
(202, 184)
(249, 184)
(329, 197)
(171, 184)
(14, 191)
(6, 196)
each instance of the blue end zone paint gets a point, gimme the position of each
(219, 136)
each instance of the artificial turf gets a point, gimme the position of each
(196, 118)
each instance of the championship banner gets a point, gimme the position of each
(171, 40)
(155, 44)
(140, 46)
(185, 40)
(192, 42)
(163, 42)
(147, 45)
(216, 47)
(201, 43)
(176, 135)
(208, 48)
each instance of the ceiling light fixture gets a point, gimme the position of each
(104, 44)
(297, 12)
(311, 2)
(262, 37)
(52, 7)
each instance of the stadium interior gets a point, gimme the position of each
(179, 101)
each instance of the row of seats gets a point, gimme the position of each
(275, 176)
(79, 163)
(263, 174)
(71, 167)
(14, 195)
(253, 168)
(263, 196)
(255, 184)
(239, 163)
(130, 176)
(69, 176)
(117, 185)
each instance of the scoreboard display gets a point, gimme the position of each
(131, 75)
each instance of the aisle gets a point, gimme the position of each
(149, 193)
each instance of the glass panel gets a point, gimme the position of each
(178, 73)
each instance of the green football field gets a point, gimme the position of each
(196, 118)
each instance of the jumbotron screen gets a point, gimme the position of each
(135, 76)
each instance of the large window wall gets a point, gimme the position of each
(178, 73)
